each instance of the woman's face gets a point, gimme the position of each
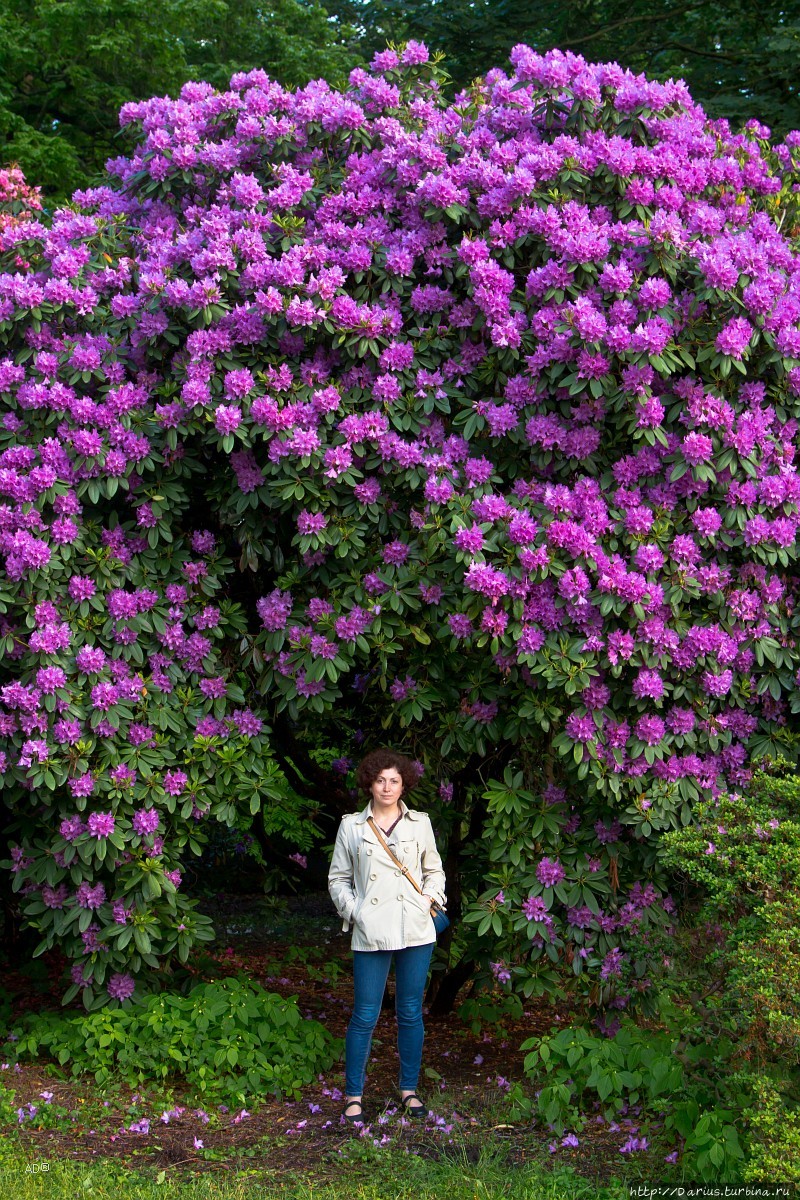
(386, 789)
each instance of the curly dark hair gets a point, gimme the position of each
(382, 759)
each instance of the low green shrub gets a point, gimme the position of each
(744, 852)
(227, 1039)
(8, 1105)
(490, 1009)
(774, 1120)
(661, 1075)
(741, 856)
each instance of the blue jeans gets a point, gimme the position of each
(370, 972)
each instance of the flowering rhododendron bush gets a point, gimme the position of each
(490, 407)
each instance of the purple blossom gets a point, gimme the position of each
(500, 972)
(49, 679)
(535, 908)
(175, 782)
(650, 730)
(72, 828)
(101, 825)
(274, 609)
(311, 522)
(470, 540)
(549, 872)
(633, 1145)
(90, 897)
(580, 728)
(247, 723)
(55, 897)
(104, 696)
(395, 553)
(697, 448)
(90, 660)
(612, 963)
(145, 821)
(122, 776)
(400, 689)
(227, 418)
(608, 834)
(460, 625)
(648, 684)
(734, 337)
(486, 580)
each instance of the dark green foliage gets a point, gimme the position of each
(68, 66)
(489, 1009)
(717, 1079)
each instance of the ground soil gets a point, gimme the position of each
(288, 1139)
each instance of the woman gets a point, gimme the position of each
(390, 919)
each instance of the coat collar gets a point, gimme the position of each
(405, 811)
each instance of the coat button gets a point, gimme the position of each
(399, 897)
(397, 872)
(368, 850)
(374, 899)
(374, 875)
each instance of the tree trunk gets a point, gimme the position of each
(445, 985)
(449, 985)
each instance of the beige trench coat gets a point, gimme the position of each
(372, 894)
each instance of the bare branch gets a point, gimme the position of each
(648, 18)
(701, 53)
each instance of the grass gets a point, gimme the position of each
(369, 1174)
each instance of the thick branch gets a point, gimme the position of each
(649, 18)
(700, 53)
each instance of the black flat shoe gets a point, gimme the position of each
(353, 1118)
(419, 1110)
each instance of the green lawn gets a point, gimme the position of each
(373, 1176)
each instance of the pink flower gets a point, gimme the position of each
(101, 825)
(227, 418)
(121, 987)
(175, 782)
(549, 872)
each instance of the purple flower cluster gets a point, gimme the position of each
(549, 872)
(514, 398)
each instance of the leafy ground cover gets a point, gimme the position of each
(90, 1136)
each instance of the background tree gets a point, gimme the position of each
(738, 58)
(68, 66)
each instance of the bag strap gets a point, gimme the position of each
(404, 870)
